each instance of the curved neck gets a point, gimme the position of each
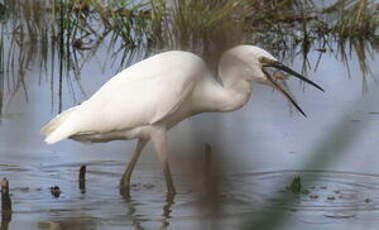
(211, 96)
(237, 87)
(234, 94)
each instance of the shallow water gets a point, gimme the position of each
(256, 153)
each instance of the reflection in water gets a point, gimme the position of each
(245, 195)
(2, 74)
(132, 218)
(137, 219)
(58, 47)
(131, 214)
(6, 218)
(6, 204)
(82, 179)
(340, 138)
(167, 209)
(82, 223)
(100, 206)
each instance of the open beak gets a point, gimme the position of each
(271, 63)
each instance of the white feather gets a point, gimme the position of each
(142, 95)
(148, 98)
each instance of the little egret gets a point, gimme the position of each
(145, 100)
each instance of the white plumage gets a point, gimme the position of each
(142, 94)
(145, 100)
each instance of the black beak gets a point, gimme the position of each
(280, 66)
(277, 86)
(271, 63)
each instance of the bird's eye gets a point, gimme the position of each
(266, 62)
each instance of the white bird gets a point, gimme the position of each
(145, 100)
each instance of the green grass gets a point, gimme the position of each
(74, 29)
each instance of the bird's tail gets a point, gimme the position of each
(57, 129)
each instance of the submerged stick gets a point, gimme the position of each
(55, 191)
(211, 182)
(207, 159)
(6, 202)
(82, 178)
(6, 205)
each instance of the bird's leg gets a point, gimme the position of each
(125, 180)
(159, 139)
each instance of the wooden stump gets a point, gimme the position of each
(6, 205)
(82, 179)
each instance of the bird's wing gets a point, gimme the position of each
(174, 100)
(141, 95)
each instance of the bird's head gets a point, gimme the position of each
(251, 63)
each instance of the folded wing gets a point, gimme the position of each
(141, 95)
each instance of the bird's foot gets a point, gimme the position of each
(124, 192)
(124, 188)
